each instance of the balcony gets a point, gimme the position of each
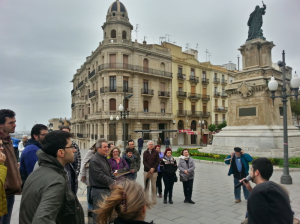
(221, 109)
(134, 68)
(194, 96)
(127, 137)
(224, 95)
(92, 74)
(206, 114)
(149, 92)
(112, 138)
(116, 89)
(216, 94)
(216, 80)
(181, 76)
(193, 113)
(72, 91)
(205, 81)
(194, 79)
(163, 94)
(223, 82)
(72, 105)
(93, 94)
(205, 97)
(79, 135)
(181, 94)
(80, 85)
(181, 112)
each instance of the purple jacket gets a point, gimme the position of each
(115, 166)
(161, 155)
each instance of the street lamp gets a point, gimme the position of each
(123, 114)
(273, 85)
(201, 124)
(117, 119)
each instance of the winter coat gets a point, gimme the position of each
(168, 167)
(140, 142)
(161, 155)
(29, 158)
(150, 160)
(245, 158)
(116, 166)
(182, 166)
(85, 167)
(3, 203)
(15, 142)
(46, 196)
(13, 179)
(138, 159)
(167, 141)
(131, 161)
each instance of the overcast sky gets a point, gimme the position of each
(42, 43)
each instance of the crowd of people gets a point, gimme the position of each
(50, 165)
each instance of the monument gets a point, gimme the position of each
(254, 123)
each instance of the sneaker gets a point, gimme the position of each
(238, 201)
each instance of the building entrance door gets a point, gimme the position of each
(162, 135)
(193, 137)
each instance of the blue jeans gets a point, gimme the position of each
(90, 206)
(140, 149)
(237, 192)
(10, 204)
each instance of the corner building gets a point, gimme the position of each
(119, 65)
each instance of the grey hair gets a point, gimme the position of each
(149, 142)
(99, 142)
(24, 136)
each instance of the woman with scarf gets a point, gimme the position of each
(159, 173)
(168, 166)
(186, 166)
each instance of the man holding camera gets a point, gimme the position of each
(239, 167)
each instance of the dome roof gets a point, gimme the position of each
(117, 6)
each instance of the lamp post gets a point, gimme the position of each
(273, 85)
(117, 119)
(123, 114)
(201, 122)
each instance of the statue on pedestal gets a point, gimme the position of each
(255, 23)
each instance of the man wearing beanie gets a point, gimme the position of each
(239, 167)
(268, 203)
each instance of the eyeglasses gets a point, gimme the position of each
(70, 147)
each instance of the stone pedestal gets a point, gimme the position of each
(254, 123)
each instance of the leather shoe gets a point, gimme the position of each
(165, 201)
(191, 202)
(185, 201)
(238, 201)
(170, 201)
(90, 213)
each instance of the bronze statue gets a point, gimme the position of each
(255, 23)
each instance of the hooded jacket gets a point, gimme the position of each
(29, 158)
(49, 196)
(13, 179)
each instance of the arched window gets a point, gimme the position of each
(124, 35)
(112, 104)
(145, 104)
(113, 34)
(162, 66)
(145, 65)
(180, 125)
(194, 125)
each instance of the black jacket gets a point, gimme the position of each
(46, 196)
(268, 203)
(168, 167)
(122, 221)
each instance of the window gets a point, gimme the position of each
(114, 14)
(216, 103)
(216, 90)
(146, 106)
(192, 73)
(223, 117)
(162, 108)
(193, 107)
(113, 34)
(223, 78)
(112, 104)
(124, 35)
(180, 107)
(127, 104)
(223, 103)
(125, 84)
(180, 89)
(145, 85)
(146, 135)
(204, 108)
(204, 75)
(145, 65)
(216, 76)
(162, 89)
(125, 61)
(112, 84)
(180, 125)
(112, 61)
(216, 119)
(179, 70)
(162, 66)
(281, 111)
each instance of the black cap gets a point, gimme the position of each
(237, 149)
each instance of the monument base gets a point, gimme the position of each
(258, 141)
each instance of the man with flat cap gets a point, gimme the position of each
(238, 163)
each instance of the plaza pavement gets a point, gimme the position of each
(213, 194)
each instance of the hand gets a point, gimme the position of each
(83, 178)
(186, 172)
(242, 152)
(151, 170)
(115, 174)
(132, 171)
(247, 184)
(2, 157)
(232, 154)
